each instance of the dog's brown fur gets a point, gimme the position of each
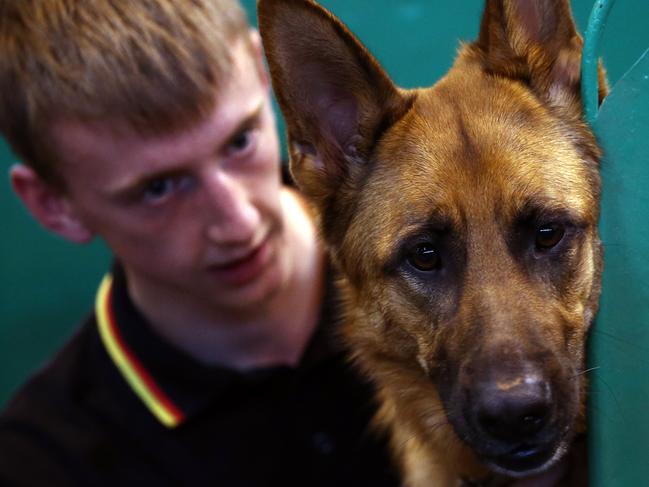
(434, 204)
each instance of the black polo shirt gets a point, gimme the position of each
(119, 406)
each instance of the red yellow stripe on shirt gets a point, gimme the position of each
(128, 364)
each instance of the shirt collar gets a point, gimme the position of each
(171, 384)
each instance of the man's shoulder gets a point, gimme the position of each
(49, 411)
(57, 380)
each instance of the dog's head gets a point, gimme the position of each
(463, 218)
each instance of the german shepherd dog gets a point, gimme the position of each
(463, 221)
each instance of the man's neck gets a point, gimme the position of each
(274, 333)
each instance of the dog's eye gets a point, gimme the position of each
(424, 257)
(548, 236)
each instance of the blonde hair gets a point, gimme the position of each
(152, 64)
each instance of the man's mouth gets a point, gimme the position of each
(242, 270)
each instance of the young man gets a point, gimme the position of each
(210, 358)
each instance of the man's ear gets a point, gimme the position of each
(48, 205)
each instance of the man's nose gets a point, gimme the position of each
(233, 218)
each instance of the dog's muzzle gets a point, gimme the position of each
(515, 415)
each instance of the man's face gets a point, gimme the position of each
(195, 214)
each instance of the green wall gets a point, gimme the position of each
(47, 285)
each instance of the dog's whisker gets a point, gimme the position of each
(583, 372)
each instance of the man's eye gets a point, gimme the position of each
(158, 190)
(242, 142)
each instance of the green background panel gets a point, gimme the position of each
(47, 285)
(620, 340)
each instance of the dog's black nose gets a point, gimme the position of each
(513, 409)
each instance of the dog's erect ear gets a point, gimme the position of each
(535, 41)
(335, 97)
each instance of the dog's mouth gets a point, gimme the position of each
(521, 455)
(517, 456)
(517, 423)
(526, 459)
